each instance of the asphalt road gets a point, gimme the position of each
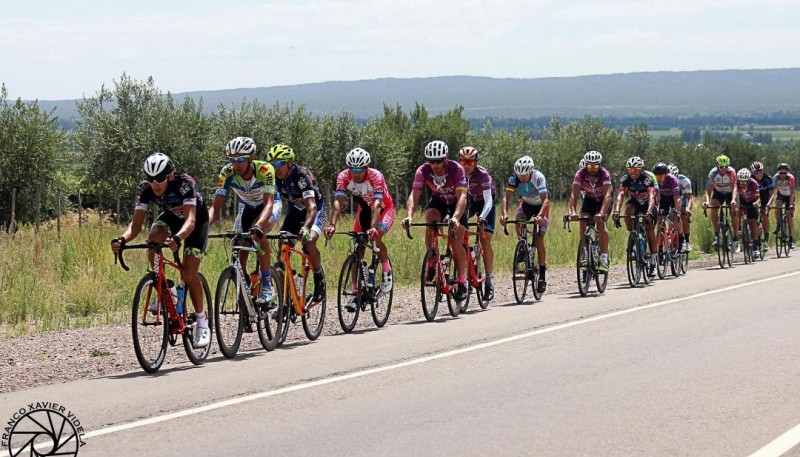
(703, 365)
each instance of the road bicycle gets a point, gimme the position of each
(438, 273)
(668, 243)
(746, 236)
(153, 327)
(588, 256)
(782, 246)
(637, 253)
(235, 305)
(763, 234)
(724, 247)
(475, 276)
(293, 282)
(360, 281)
(525, 268)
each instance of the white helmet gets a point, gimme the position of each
(436, 150)
(158, 165)
(240, 145)
(635, 162)
(582, 163)
(673, 169)
(523, 166)
(357, 158)
(743, 174)
(593, 157)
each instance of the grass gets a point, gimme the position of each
(49, 284)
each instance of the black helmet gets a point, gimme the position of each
(661, 168)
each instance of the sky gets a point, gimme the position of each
(52, 50)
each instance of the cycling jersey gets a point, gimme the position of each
(670, 187)
(182, 190)
(638, 189)
(251, 192)
(298, 185)
(529, 192)
(765, 185)
(686, 185)
(785, 185)
(372, 188)
(722, 180)
(750, 193)
(443, 187)
(479, 181)
(592, 186)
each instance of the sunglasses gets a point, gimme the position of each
(357, 169)
(157, 179)
(278, 163)
(634, 169)
(468, 162)
(783, 172)
(758, 172)
(435, 161)
(240, 159)
(593, 166)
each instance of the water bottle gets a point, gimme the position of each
(180, 295)
(446, 265)
(370, 276)
(298, 282)
(255, 283)
(173, 292)
(474, 253)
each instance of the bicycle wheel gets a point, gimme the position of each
(644, 256)
(634, 272)
(661, 254)
(430, 291)
(727, 241)
(481, 275)
(313, 317)
(270, 315)
(149, 333)
(785, 236)
(452, 305)
(779, 239)
(382, 304)
(747, 242)
(519, 271)
(533, 273)
(600, 279)
(583, 266)
(229, 313)
(348, 291)
(684, 263)
(197, 355)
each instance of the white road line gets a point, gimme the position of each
(358, 374)
(781, 444)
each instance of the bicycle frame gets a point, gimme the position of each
(297, 297)
(472, 268)
(436, 229)
(244, 289)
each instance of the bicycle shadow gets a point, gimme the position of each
(144, 374)
(438, 320)
(360, 331)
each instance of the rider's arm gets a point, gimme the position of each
(487, 204)
(709, 188)
(791, 190)
(545, 209)
(651, 200)
(266, 213)
(377, 206)
(461, 204)
(311, 212)
(608, 193)
(735, 192)
(411, 203)
(135, 226)
(506, 197)
(189, 218)
(618, 202)
(216, 209)
(573, 199)
(338, 201)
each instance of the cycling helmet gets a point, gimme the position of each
(468, 152)
(635, 162)
(673, 169)
(357, 158)
(660, 168)
(743, 174)
(784, 166)
(436, 150)
(723, 160)
(158, 165)
(280, 152)
(240, 145)
(756, 165)
(523, 166)
(593, 157)
(582, 163)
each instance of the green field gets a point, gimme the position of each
(780, 133)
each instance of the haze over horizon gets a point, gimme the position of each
(56, 50)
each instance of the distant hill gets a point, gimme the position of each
(689, 93)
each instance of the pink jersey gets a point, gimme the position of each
(592, 186)
(372, 188)
(443, 187)
(749, 193)
(784, 185)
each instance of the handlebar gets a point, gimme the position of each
(568, 219)
(517, 221)
(424, 224)
(125, 247)
(359, 237)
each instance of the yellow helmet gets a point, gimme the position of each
(280, 152)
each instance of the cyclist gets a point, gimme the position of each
(183, 220)
(687, 201)
(594, 182)
(530, 186)
(306, 208)
(481, 193)
(767, 193)
(669, 189)
(641, 187)
(749, 200)
(448, 186)
(375, 211)
(784, 185)
(253, 181)
(723, 183)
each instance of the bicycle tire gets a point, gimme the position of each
(381, 311)
(313, 317)
(601, 279)
(150, 362)
(453, 305)
(480, 273)
(747, 242)
(430, 292)
(779, 238)
(198, 355)
(785, 237)
(519, 271)
(632, 261)
(727, 243)
(584, 275)
(269, 327)
(533, 267)
(661, 254)
(348, 319)
(644, 266)
(229, 313)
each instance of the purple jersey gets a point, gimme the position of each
(670, 186)
(749, 193)
(592, 186)
(442, 187)
(477, 182)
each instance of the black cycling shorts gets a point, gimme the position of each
(445, 209)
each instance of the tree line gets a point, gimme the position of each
(120, 125)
